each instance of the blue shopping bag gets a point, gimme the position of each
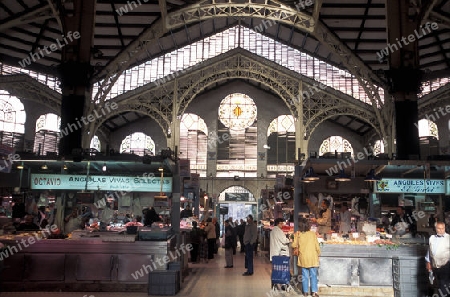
(281, 273)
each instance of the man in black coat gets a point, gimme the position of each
(240, 233)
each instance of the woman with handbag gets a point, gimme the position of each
(307, 246)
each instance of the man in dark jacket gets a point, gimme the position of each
(240, 233)
(250, 237)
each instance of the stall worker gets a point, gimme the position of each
(72, 221)
(345, 225)
(28, 224)
(324, 216)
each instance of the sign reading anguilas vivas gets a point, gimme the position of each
(100, 183)
(403, 185)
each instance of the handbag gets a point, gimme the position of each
(222, 242)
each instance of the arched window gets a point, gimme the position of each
(12, 120)
(138, 143)
(193, 142)
(47, 135)
(428, 128)
(335, 143)
(281, 144)
(236, 137)
(95, 143)
(378, 147)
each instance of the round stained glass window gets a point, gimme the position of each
(237, 111)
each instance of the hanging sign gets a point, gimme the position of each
(100, 183)
(404, 185)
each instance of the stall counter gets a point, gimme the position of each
(83, 265)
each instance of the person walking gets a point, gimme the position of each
(307, 247)
(240, 233)
(210, 230)
(234, 227)
(196, 238)
(438, 258)
(250, 236)
(217, 228)
(230, 239)
(279, 243)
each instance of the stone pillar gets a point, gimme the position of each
(76, 71)
(404, 76)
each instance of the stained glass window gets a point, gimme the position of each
(428, 128)
(237, 111)
(95, 143)
(335, 143)
(138, 143)
(378, 147)
(236, 137)
(193, 142)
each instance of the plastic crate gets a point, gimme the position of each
(164, 282)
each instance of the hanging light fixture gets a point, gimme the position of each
(65, 167)
(44, 167)
(371, 176)
(20, 166)
(104, 167)
(311, 175)
(342, 177)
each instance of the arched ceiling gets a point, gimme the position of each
(27, 25)
(127, 30)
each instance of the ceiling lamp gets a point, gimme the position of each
(371, 176)
(20, 166)
(311, 175)
(104, 167)
(44, 167)
(65, 167)
(342, 177)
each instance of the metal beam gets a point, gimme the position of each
(317, 7)
(116, 20)
(57, 13)
(35, 14)
(425, 13)
(440, 19)
(163, 8)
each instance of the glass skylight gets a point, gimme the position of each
(170, 65)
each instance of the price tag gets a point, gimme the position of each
(334, 235)
(355, 235)
(388, 235)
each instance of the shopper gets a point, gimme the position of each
(438, 257)
(196, 237)
(240, 233)
(230, 240)
(210, 230)
(307, 247)
(234, 228)
(279, 243)
(250, 236)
